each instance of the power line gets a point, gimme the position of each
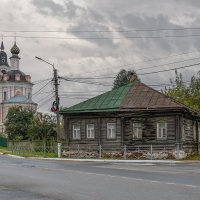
(168, 63)
(93, 83)
(170, 69)
(105, 38)
(91, 31)
(151, 60)
(82, 78)
(44, 103)
(41, 88)
(40, 81)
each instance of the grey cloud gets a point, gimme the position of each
(68, 10)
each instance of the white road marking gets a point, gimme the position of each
(126, 178)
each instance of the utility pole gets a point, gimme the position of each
(56, 84)
(55, 76)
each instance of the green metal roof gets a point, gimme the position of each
(109, 101)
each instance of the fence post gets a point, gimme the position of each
(125, 152)
(59, 150)
(138, 152)
(151, 150)
(78, 149)
(100, 151)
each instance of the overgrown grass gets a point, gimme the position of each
(5, 150)
(193, 157)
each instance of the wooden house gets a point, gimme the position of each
(132, 115)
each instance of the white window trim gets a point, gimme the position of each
(113, 131)
(89, 130)
(138, 128)
(76, 132)
(161, 137)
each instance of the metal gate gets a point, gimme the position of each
(3, 142)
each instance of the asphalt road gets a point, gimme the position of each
(32, 179)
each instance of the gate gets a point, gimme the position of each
(3, 142)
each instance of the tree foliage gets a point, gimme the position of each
(122, 78)
(42, 128)
(17, 122)
(189, 95)
(23, 124)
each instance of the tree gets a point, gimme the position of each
(122, 78)
(17, 122)
(187, 95)
(42, 127)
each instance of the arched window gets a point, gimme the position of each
(4, 95)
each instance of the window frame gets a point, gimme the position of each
(115, 131)
(87, 131)
(5, 95)
(74, 131)
(158, 128)
(138, 127)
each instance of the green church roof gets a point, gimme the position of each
(109, 101)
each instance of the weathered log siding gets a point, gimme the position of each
(124, 131)
(110, 142)
(100, 125)
(149, 132)
(83, 131)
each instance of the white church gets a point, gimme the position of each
(15, 86)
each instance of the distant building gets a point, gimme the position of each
(15, 86)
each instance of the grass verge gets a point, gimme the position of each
(193, 157)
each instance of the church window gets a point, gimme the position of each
(17, 77)
(29, 95)
(4, 96)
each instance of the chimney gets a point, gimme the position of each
(133, 77)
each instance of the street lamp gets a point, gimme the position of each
(55, 78)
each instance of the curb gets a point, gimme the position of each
(14, 156)
(111, 161)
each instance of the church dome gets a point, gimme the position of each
(15, 49)
(3, 56)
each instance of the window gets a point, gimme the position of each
(76, 131)
(90, 131)
(29, 95)
(17, 77)
(137, 131)
(162, 130)
(4, 96)
(111, 131)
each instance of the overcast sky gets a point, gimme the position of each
(98, 38)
